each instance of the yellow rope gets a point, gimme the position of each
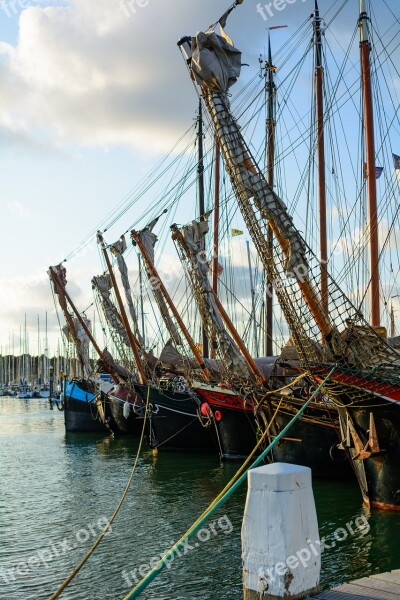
(76, 570)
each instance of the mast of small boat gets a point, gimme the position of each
(365, 50)
(319, 117)
(46, 355)
(271, 125)
(38, 350)
(200, 173)
(9, 358)
(134, 343)
(215, 268)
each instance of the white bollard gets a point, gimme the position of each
(280, 538)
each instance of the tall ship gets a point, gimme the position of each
(214, 345)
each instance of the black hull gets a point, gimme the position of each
(81, 417)
(174, 423)
(379, 473)
(121, 425)
(236, 427)
(314, 445)
(237, 433)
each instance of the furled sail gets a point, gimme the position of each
(73, 331)
(216, 64)
(118, 250)
(149, 239)
(292, 268)
(103, 285)
(193, 256)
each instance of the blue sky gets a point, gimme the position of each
(92, 94)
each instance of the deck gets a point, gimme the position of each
(385, 586)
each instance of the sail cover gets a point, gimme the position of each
(215, 62)
(198, 274)
(118, 250)
(103, 285)
(149, 239)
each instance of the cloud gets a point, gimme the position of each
(93, 74)
(18, 210)
(32, 295)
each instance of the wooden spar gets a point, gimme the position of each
(310, 295)
(141, 299)
(271, 124)
(216, 216)
(155, 276)
(177, 235)
(365, 50)
(200, 173)
(82, 322)
(134, 343)
(246, 354)
(319, 101)
(216, 222)
(253, 300)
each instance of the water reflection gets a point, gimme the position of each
(54, 484)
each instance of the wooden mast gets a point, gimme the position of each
(200, 172)
(156, 278)
(141, 300)
(365, 49)
(216, 224)
(177, 235)
(60, 284)
(271, 124)
(134, 343)
(319, 102)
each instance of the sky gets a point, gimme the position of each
(93, 93)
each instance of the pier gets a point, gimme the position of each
(385, 586)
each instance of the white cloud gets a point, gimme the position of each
(90, 74)
(18, 210)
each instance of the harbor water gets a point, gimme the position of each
(57, 491)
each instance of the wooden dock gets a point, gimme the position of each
(385, 586)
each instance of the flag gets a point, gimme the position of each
(396, 160)
(378, 171)
(236, 232)
(278, 27)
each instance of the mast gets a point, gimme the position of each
(271, 124)
(133, 342)
(216, 223)
(253, 300)
(200, 172)
(365, 50)
(58, 282)
(319, 116)
(46, 355)
(141, 300)
(156, 278)
(38, 349)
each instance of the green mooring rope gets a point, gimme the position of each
(180, 545)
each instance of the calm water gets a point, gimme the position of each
(57, 489)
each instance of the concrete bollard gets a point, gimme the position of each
(280, 538)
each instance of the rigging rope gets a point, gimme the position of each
(222, 497)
